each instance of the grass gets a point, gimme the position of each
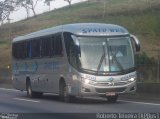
(138, 16)
(3, 42)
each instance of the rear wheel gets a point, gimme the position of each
(31, 93)
(112, 98)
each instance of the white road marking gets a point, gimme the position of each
(143, 103)
(8, 89)
(26, 100)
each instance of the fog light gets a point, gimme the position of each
(133, 88)
(85, 90)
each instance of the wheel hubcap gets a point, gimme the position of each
(29, 90)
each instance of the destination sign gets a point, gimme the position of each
(102, 30)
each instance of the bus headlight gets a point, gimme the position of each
(87, 81)
(74, 77)
(132, 79)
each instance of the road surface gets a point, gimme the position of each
(16, 102)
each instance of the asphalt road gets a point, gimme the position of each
(16, 102)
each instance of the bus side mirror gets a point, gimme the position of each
(136, 42)
(77, 46)
(78, 50)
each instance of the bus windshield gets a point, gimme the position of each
(102, 54)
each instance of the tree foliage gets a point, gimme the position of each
(69, 2)
(28, 5)
(6, 7)
(48, 3)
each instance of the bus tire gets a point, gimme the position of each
(112, 99)
(30, 93)
(64, 95)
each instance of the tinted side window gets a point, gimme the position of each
(46, 46)
(22, 50)
(28, 49)
(35, 48)
(14, 50)
(57, 47)
(71, 50)
(19, 50)
(51, 46)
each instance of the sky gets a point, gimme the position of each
(20, 13)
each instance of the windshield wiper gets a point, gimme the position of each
(100, 62)
(102, 58)
(115, 59)
(88, 70)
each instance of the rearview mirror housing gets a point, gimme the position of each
(136, 42)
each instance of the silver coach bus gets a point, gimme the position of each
(76, 60)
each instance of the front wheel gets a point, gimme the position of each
(64, 94)
(112, 98)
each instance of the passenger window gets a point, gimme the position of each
(51, 46)
(35, 48)
(46, 47)
(18, 50)
(57, 45)
(28, 49)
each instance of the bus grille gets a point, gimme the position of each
(108, 84)
(120, 83)
(104, 90)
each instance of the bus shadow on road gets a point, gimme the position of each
(78, 100)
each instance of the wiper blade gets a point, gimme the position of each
(115, 59)
(88, 70)
(100, 63)
(102, 58)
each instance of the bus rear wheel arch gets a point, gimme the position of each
(30, 92)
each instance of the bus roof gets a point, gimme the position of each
(81, 29)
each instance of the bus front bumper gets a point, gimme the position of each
(92, 90)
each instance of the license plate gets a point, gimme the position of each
(110, 94)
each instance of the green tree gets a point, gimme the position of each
(28, 5)
(69, 2)
(48, 3)
(6, 7)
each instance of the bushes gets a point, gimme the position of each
(147, 68)
(11, 29)
(149, 88)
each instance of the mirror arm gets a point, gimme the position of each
(137, 42)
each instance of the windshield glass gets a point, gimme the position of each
(120, 54)
(92, 51)
(106, 54)
(99, 55)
